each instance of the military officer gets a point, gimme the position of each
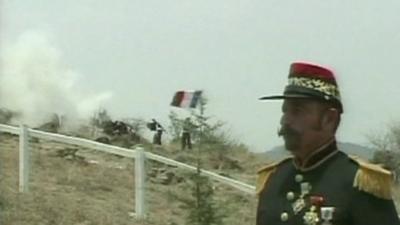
(319, 184)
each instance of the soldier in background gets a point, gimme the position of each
(320, 185)
(156, 126)
(186, 129)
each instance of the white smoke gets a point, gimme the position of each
(35, 83)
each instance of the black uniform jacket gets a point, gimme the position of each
(330, 189)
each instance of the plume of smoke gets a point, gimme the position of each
(35, 83)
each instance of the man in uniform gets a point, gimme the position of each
(156, 126)
(319, 184)
(186, 129)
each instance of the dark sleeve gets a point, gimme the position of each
(367, 209)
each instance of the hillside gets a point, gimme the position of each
(280, 152)
(97, 188)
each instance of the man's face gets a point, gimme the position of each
(301, 123)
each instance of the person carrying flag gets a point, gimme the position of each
(187, 128)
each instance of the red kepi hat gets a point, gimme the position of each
(313, 81)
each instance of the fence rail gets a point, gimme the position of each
(129, 153)
(138, 154)
(9, 129)
(233, 183)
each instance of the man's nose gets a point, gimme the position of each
(285, 119)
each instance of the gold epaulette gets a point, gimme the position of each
(372, 178)
(264, 173)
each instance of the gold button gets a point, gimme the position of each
(298, 178)
(290, 196)
(284, 216)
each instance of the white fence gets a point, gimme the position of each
(138, 154)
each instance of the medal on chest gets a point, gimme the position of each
(327, 215)
(300, 203)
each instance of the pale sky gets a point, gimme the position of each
(131, 56)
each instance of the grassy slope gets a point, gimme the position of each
(76, 192)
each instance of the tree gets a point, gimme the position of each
(210, 134)
(203, 208)
(203, 128)
(387, 145)
(176, 126)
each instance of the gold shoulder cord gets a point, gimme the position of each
(373, 179)
(265, 173)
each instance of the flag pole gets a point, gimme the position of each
(201, 133)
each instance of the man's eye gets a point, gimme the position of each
(297, 110)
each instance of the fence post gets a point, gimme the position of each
(23, 158)
(140, 183)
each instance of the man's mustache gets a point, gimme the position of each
(286, 130)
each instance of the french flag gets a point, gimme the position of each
(186, 99)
